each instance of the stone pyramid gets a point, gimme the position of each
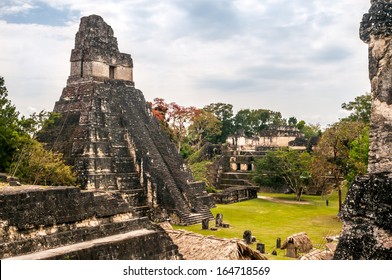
(107, 132)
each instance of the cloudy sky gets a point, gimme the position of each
(300, 57)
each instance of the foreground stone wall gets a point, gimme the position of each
(56, 222)
(376, 31)
(367, 216)
(367, 210)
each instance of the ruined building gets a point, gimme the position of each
(367, 211)
(275, 137)
(233, 172)
(129, 171)
(107, 132)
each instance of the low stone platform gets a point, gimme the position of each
(139, 244)
(235, 194)
(68, 223)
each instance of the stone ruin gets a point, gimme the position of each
(108, 133)
(128, 170)
(367, 211)
(59, 223)
(235, 194)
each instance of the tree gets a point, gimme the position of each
(160, 111)
(9, 128)
(243, 123)
(360, 108)
(309, 130)
(292, 121)
(30, 127)
(252, 122)
(174, 119)
(260, 119)
(284, 166)
(178, 119)
(263, 119)
(358, 155)
(22, 155)
(43, 167)
(204, 126)
(224, 112)
(332, 154)
(37, 122)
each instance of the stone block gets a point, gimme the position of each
(219, 220)
(205, 224)
(3, 177)
(14, 183)
(260, 247)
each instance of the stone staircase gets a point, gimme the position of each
(195, 218)
(238, 169)
(235, 179)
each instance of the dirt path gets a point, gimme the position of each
(273, 199)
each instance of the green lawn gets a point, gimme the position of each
(269, 220)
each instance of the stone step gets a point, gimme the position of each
(249, 153)
(63, 236)
(246, 158)
(236, 175)
(133, 191)
(224, 187)
(122, 181)
(195, 218)
(141, 211)
(236, 182)
(136, 244)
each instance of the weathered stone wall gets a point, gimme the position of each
(123, 73)
(367, 216)
(367, 210)
(264, 141)
(275, 137)
(35, 219)
(235, 194)
(376, 30)
(96, 50)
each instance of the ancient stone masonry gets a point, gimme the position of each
(235, 194)
(367, 220)
(376, 30)
(377, 22)
(367, 211)
(107, 132)
(69, 223)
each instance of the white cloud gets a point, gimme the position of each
(15, 7)
(302, 57)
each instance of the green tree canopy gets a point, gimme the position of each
(284, 166)
(251, 122)
(205, 126)
(9, 128)
(360, 108)
(23, 156)
(332, 154)
(224, 112)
